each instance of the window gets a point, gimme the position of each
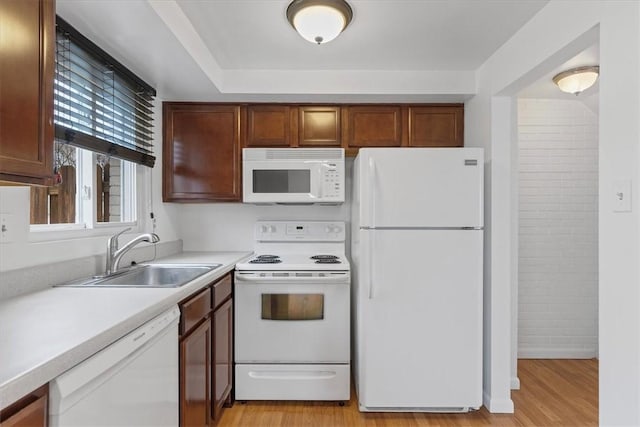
(103, 117)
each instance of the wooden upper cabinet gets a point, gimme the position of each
(201, 152)
(202, 141)
(372, 126)
(270, 126)
(27, 43)
(436, 126)
(319, 126)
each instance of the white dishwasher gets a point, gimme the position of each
(133, 382)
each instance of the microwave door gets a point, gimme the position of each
(293, 176)
(281, 181)
(280, 184)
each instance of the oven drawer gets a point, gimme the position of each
(292, 382)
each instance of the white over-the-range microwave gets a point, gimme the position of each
(293, 175)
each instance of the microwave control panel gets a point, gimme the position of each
(332, 182)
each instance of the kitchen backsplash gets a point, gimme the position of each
(229, 226)
(30, 279)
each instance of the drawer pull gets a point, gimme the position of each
(293, 375)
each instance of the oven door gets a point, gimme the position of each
(291, 321)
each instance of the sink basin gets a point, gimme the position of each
(150, 276)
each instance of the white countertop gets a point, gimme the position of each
(45, 333)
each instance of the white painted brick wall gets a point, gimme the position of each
(558, 229)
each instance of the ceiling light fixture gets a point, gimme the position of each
(319, 21)
(578, 79)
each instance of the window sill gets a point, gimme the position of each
(51, 232)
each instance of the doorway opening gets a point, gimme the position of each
(557, 188)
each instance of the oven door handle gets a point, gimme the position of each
(344, 278)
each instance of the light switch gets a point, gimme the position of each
(8, 228)
(622, 196)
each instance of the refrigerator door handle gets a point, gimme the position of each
(371, 263)
(372, 193)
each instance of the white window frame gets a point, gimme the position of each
(134, 203)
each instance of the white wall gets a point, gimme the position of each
(558, 32)
(229, 226)
(558, 229)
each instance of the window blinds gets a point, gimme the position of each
(99, 104)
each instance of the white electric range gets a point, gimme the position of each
(292, 315)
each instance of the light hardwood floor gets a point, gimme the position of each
(553, 393)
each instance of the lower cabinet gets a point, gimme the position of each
(223, 356)
(30, 411)
(206, 354)
(195, 375)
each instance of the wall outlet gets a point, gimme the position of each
(622, 196)
(8, 228)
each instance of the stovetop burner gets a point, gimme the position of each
(266, 259)
(328, 261)
(324, 257)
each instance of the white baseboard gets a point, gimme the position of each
(556, 353)
(497, 406)
(515, 383)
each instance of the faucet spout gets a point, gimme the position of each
(114, 255)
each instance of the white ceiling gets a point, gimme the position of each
(546, 89)
(422, 50)
(384, 34)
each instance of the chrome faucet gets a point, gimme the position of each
(114, 255)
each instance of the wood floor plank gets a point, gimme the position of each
(553, 393)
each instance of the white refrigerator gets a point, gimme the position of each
(417, 251)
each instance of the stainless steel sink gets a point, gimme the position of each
(149, 276)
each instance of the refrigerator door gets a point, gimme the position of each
(419, 320)
(420, 187)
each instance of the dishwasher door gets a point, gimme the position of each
(133, 382)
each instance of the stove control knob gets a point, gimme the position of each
(264, 229)
(272, 229)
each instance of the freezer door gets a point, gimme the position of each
(419, 320)
(420, 187)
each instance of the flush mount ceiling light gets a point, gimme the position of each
(319, 21)
(578, 79)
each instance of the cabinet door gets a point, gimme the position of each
(195, 374)
(30, 411)
(27, 40)
(201, 152)
(270, 126)
(373, 126)
(222, 356)
(319, 126)
(437, 126)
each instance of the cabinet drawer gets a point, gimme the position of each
(194, 310)
(30, 411)
(221, 290)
